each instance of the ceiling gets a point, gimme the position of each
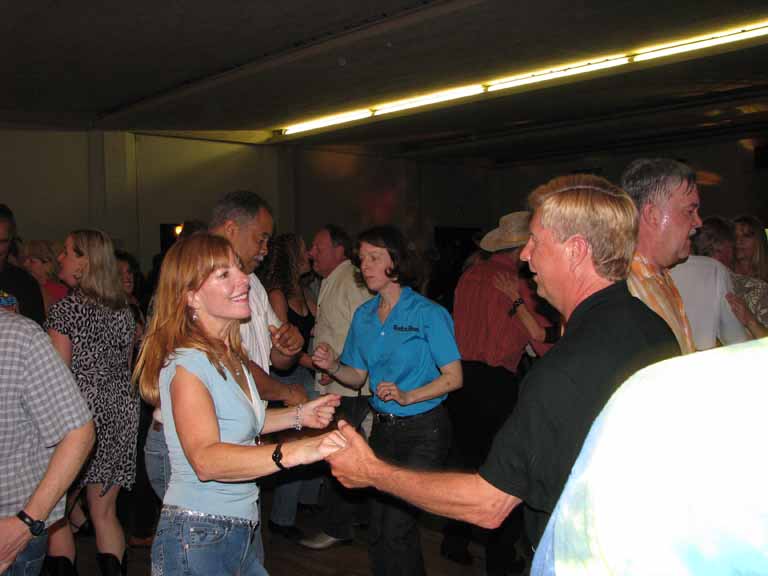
(238, 69)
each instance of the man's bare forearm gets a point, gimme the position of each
(456, 495)
(65, 464)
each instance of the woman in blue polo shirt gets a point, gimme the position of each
(405, 343)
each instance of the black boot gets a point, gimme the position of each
(109, 565)
(58, 566)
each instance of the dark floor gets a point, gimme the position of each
(285, 558)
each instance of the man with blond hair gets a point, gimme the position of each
(582, 238)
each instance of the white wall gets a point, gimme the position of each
(177, 180)
(45, 181)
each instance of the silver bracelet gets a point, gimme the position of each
(338, 367)
(297, 423)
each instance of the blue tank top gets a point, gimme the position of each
(240, 421)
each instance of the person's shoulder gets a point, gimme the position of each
(421, 303)
(71, 301)
(192, 359)
(257, 288)
(13, 324)
(186, 353)
(548, 375)
(20, 276)
(366, 308)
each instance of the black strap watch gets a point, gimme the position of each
(515, 305)
(37, 527)
(277, 456)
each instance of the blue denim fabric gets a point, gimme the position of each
(29, 562)
(186, 545)
(157, 462)
(291, 484)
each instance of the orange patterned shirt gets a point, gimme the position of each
(656, 288)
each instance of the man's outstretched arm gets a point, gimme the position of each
(462, 496)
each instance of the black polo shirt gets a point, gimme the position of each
(25, 288)
(608, 338)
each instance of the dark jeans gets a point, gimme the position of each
(29, 562)
(139, 507)
(340, 504)
(478, 410)
(419, 442)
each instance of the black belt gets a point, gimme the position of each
(384, 418)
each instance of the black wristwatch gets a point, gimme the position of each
(277, 456)
(37, 527)
(515, 305)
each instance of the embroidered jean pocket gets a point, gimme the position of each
(200, 533)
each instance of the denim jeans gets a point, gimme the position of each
(292, 485)
(156, 460)
(188, 544)
(29, 562)
(420, 442)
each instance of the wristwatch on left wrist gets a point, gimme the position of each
(36, 527)
(277, 456)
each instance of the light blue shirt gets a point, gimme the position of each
(408, 349)
(672, 478)
(240, 421)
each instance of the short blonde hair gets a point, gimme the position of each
(590, 206)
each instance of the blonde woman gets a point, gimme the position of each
(93, 331)
(751, 248)
(193, 365)
(40, 261)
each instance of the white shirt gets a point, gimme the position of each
(339, 297)
(703, 283)
(257, 340)
(671, 478)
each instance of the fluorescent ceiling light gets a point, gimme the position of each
(329, 121)
(701, 42)
(442, 96)
(682, 45)
(558, 72)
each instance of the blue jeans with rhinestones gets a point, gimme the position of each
(189, 543)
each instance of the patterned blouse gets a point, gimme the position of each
(755, 294)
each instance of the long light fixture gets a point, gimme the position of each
(418, 101)
(746, 32)
(342, 118)
(700, 42)
(557, 72)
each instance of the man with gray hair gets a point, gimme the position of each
(582, 237)
(667, 200)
